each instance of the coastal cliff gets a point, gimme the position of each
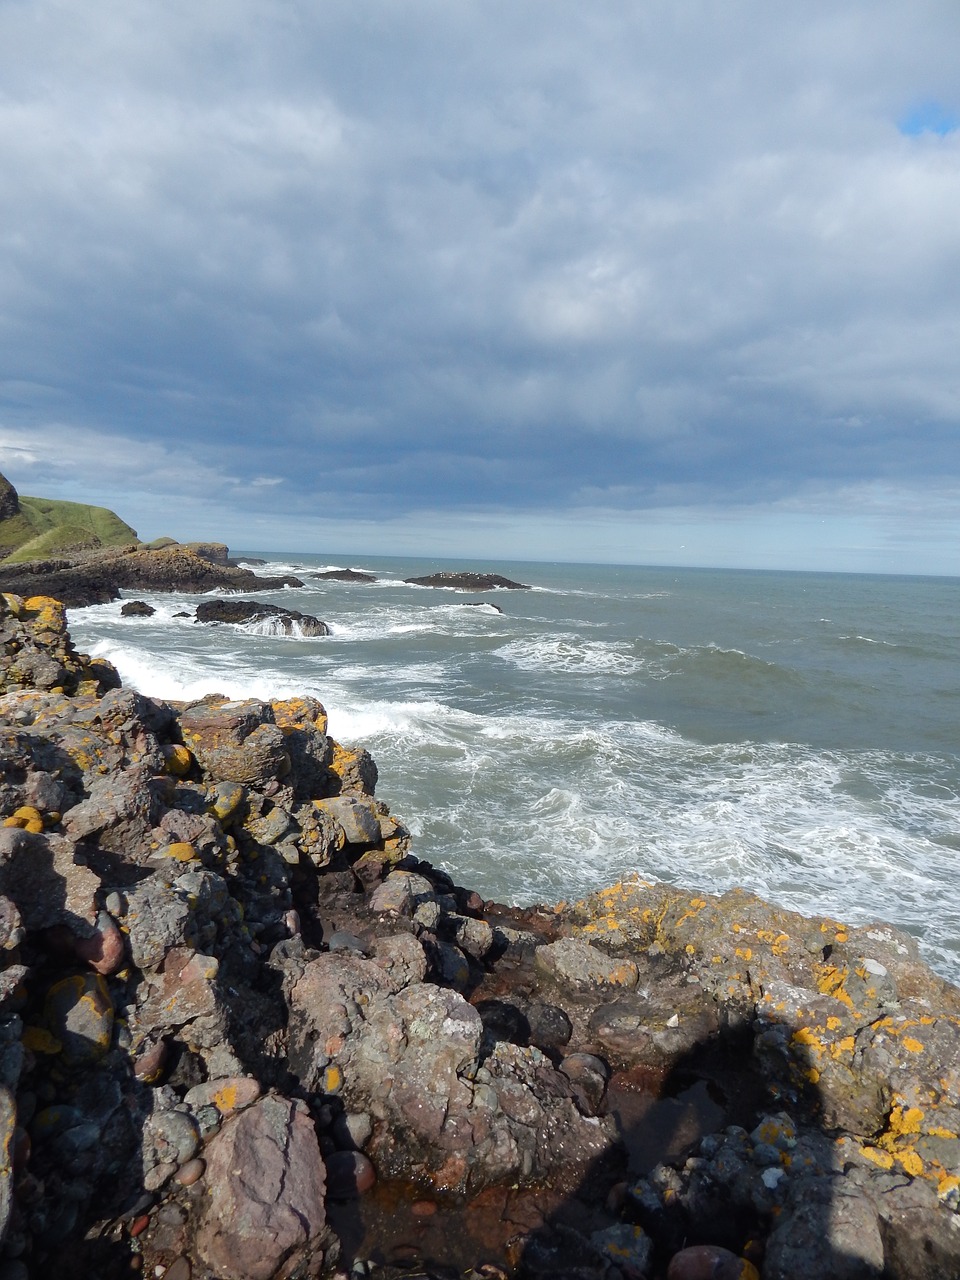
(246, 1033)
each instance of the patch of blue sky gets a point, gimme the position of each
(928, 117)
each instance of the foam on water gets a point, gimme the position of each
(537, 757)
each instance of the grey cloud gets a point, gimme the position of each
(490, 254)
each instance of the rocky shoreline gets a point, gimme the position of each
(98, 576)
(247, 1034)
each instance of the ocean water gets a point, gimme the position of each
(793, 733)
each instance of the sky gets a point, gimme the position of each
(665, 282)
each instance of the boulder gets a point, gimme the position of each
(267, 1187)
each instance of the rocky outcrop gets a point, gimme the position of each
(99, 577)
(344, 575)
(9, 499)
(269, 617)
(244, 1032)
(468, 582)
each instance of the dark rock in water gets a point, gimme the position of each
(137, 609)
(482, 604)
(287, 621)
(345, 575)
(468, 582)
(235, 563)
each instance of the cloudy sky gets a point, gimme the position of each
(666, 281)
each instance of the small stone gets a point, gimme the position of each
(104, 952)
(709, 1262)
(139, 1225)
(178, 1270)
(228, 1094)
(349, 1175)
(423, 1208)
(79, 1013)
(191, 1172)
(149, 1063)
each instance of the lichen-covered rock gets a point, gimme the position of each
(581, 965)
(267, 1188)
(236, 741)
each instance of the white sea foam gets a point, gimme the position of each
(573, 654)
(496, 743)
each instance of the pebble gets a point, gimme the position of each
(349, 1174)
(149, 1064)
(178, 1270)
(104, 952)
(79, 1013)
(139, 1225)
(191, 1172)
(172, 1215)
(423, 1208)
(710, 1262)
(228, 1094)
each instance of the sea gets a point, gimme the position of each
(797, 734)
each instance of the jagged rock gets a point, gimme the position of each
(137, 609)
(94, 577)
(40, 875)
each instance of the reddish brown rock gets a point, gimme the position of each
(267, 1185)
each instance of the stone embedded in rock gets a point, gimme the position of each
(569, 960)
(78, 1012)
(236, 741)
(401, 893)
(357, 817)
(267, 1183)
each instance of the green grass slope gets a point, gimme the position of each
(46, 526)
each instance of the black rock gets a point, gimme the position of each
(468, 582)
(137, 609)
(345, 575)
(287, 621)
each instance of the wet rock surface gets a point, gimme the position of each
(244, 612)
(244, 1032)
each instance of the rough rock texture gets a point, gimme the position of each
(244, 1032)
(267, 1194)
